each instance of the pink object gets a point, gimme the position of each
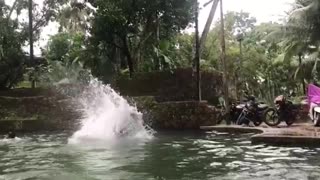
(313, 94)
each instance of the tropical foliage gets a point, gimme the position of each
(128, 36)
(11, 54)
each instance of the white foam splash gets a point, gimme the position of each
(107, 117)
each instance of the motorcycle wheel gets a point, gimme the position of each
(291, 119)
(257, 122)
(289, 122)
(317, 120)
(271, 117)
(241, 119)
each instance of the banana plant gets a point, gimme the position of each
(162, 60)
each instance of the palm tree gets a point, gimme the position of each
(300, 37)
(304, 21)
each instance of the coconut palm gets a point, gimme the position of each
(300, 39)
(305, 21)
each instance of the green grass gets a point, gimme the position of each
(23, 84)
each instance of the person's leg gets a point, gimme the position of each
(312, 105)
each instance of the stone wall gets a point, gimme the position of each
(178, 85)
(41, 110)
(36, 109)
(51, 113)
(167, 99)
(184, 115)
(176, 115)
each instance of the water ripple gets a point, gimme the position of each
(209, 156)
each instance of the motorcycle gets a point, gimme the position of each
(314, 103)
(284, 110)
(252, 112)
(235, 110)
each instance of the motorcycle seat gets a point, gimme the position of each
(317, 109)
(263, 106)
(240, 106)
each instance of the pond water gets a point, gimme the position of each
(168, 155)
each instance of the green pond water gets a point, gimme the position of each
(168, 155)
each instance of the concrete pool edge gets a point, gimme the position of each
(232, 129)
(304, 135)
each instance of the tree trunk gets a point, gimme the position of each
(130, 64)
(130, 59)
(239, 74)
(12, 8)
(31, 38)
(197, 53)
(208, 24)
(204, 33)
(156, 60)
(224, 63)
(117, 56)
(302, 78)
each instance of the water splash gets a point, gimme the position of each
(107, 116)
(10, 140)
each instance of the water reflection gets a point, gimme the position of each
(167, 156)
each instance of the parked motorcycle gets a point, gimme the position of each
(252, 112)
(284, 110)
(235, 110)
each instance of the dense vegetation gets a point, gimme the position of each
(128, 36)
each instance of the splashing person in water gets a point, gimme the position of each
(126, 129)
(11, 135)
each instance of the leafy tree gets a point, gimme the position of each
(299, 39)
(12, 58)
(74, 16)
(67, 56)
(183, 50)
(135, 27)
(261, 70)
(65, 47)
(42, 14)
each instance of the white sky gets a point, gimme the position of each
(263, 10)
